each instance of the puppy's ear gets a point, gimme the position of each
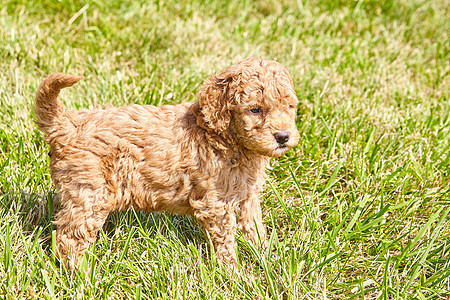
(216, 98)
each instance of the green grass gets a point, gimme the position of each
(359, 209)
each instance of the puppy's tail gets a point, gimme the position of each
(47, 106)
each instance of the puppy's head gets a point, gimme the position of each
(255, 102)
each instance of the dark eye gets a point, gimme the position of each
(256, 110)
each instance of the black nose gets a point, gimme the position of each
(282, 137)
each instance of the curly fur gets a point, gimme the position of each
(207, 159)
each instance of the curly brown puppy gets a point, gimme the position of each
(207, 159)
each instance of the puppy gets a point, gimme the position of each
(206, 159)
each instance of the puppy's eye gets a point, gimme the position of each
(256, 110)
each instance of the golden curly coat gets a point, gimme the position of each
(207, 159)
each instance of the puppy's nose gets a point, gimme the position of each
(282, 137)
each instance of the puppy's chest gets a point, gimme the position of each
(229, 183)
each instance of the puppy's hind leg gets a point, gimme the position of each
(81, 217)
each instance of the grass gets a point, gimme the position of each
(358, 210)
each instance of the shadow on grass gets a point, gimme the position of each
(38, 210)
(184, 228)
(32, 209)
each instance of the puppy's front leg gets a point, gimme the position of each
(219, 220)
(250, 220)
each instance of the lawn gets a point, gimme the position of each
(358, 210)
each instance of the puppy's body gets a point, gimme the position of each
(199, 159)
(109, 148)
